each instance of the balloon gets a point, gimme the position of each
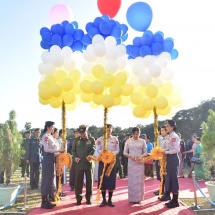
(43, 102)
(105, 28)
(75, 24)
(56, 40)
(44, 93)
(49, 80)
(145, 50)
(98, 39)
(98, 71)
(86, 40)
(117, 101)
(174, 54)
(57, 29)
(120, 78)
(124, 100)
(154, 71)
(59, 13)
(108, 101)
(146, 39)
(144, 79)
(127, 89)
(158, 37)
(110, 7)
(86, 97)
(151, 91)
(47, 38)
(99, 50)
(110, 42)
(124, 29)
(139, 111)
(108, 79)
(115, 91)
(78, 34)
(167, 89)
(168, 45)
(97, 87)
(55, 90)
(60, 75)
(135, 51)
(77, 88)
(136, 98)
(69, 98)
(137, 41)
(44, 30)
(74, 75)
(161, 103)
(86, 86)
(55, 103)
(116, 32)
(148, 104)
(93, 31)
(57, 59)
(164, 111)
(111, 66)
(69, 29)
(157, 48)
(98, 98)
(67, 40)
(67, 84)
(139, 16)
(77, 46)
(69, 64)
(167, 74)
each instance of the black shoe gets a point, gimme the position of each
(173, 205)
(78, 203)
(120, 176)
(156, 193)
(52, 204)
(110, 203)
(31, 188)
(165, 198)
(104, 202)
(89, 202)
(62, 194)
(72, 188)
(52, 199)
(46, 206)
(167, 203)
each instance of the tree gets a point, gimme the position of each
(27, 126)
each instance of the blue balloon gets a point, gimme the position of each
(148, 32)
(160, 32)
(64, 23)
(158, 38)
(86, 40)
(105, 17)
(44, 30)
(116, 32)
(97, 21)
(124, 29)
(137, 41)
(168, 45)
(77, 46)
(88, 26)
(56, 40)
(139, 16)
(125, 37)
(174, 54)
(69, 29)
(93, 31)
(45, 45)
(113, 23)
(78, 34)
(128, 49)
(47, 37)
(75, 24)
(105, 28)
(67, 40)
(145, 50)
(135, 52)
(118, 41)
(157, 48)
(58, 29)
(146, 39)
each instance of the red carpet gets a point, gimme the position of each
(151, 205)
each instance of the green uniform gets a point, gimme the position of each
(81, 148)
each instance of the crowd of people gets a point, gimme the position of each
(42, 152)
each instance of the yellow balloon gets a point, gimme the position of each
(55, 90)
(161, 102)
(42, 84)
(164, 111)
(86, 86)
(136, 98)
(175, 99)
(108, 101)
(115, 91)
(148, 104)
(151, 91)
(139, 111)
(43, 102)
(86, 97)
(167, 89)
(108, 79)
(44, 93)
(69, 98)
(121, 78)
(60, 75)
(97, 99)
(67, 84)
(98, 71)
(97, 87)
(77, 88)
(147, 114)
(71, 106)
(89, 78)
(93, 105)
(117, 101)
(127, 89)
(124, 100)
(49, 80)
(75, 75)
(55, 103)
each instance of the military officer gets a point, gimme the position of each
(34, 158)
(82, 147)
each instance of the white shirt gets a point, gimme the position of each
(173, 145)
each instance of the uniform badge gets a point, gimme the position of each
(98, 142)
(173, 140)
(46, 139)
(79, 142)
(88, 142)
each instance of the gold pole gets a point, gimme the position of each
(156, 133)
(105, 128)
(63, 125)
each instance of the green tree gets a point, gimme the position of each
(27, 126)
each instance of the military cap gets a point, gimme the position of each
(82, 128)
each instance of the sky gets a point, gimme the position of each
(190, 23)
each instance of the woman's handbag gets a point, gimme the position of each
(195, 160)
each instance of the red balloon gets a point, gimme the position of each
(109, 7)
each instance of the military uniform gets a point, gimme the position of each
(23, 165)
(81, 148)
(34, 155)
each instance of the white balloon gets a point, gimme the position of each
(149, 60)
(145, 79)
(138, 69)
(66, 52)
(167, 74)
(165, 56)
(98, 39)
(110, 42)
(101, 61)
(46, 57)
(121, 50)
(154, 71)
(57, 59)
(111, 54)
(50, 68)
(69, 64)
(121, 63)
(111, 66)
(55, 49)
(42, 68)
(87, 68)
(89, 56)
(157, 81)
(90, 48)
(99, 50)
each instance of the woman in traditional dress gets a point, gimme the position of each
(48, 164)
(109, 183)
(135, 150)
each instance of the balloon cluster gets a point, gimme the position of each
(151, 44)
(107, 83)
(64, 34)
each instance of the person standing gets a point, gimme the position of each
(135, 150)
(24, 147)
(82, 147)
(34, 158)
(48, 164)
(171, 179)
(181, 158)
(124, 159)
(109, 183)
